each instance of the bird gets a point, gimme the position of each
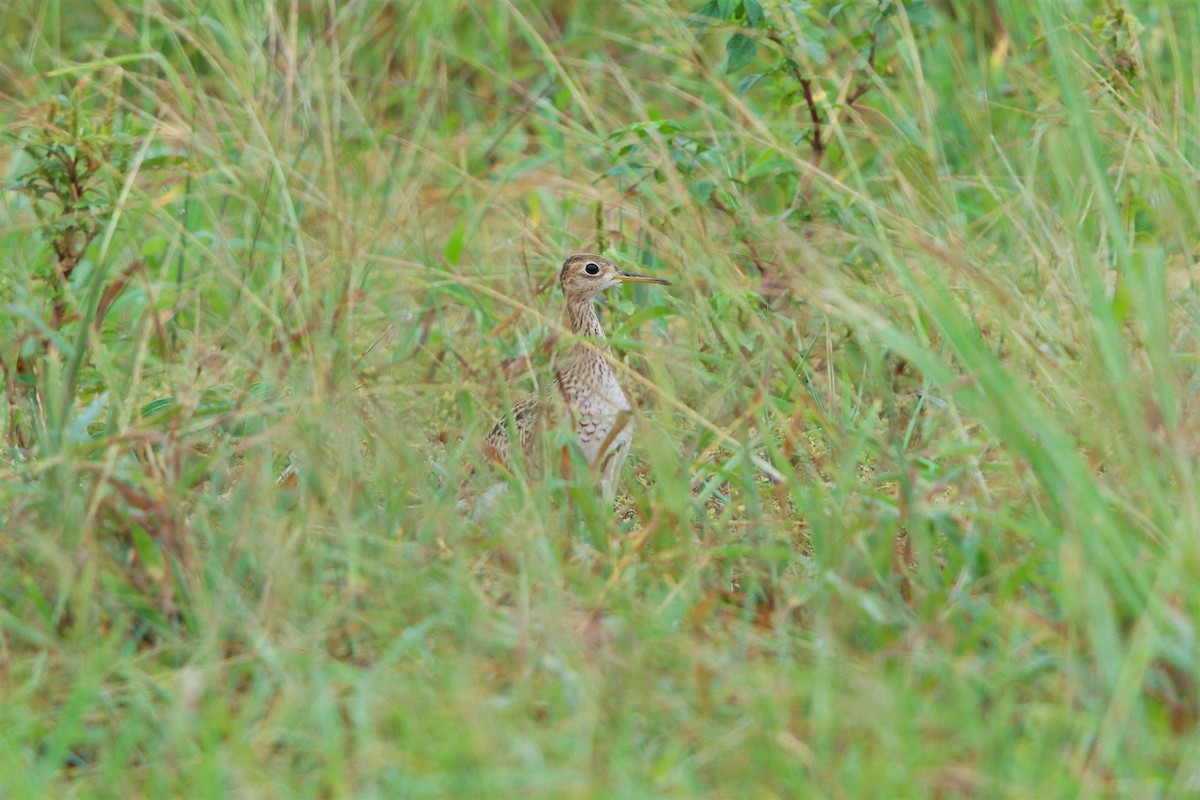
(585, 388)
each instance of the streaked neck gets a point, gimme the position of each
(582, 319)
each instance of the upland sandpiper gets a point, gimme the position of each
(585, 388)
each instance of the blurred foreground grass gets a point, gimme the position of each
(912, 509)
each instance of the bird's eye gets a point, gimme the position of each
(591, 268)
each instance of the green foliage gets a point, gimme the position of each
(79, 152)
(1119, 30)
(912, 503)
(813, 49)
(77, 149)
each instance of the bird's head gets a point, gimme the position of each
(586, 275)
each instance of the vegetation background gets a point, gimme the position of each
(912, 509)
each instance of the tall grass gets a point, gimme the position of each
(912, 505)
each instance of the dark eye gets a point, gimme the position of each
(592, 268)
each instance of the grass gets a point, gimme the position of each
(912, 506)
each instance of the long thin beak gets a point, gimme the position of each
(629, 277)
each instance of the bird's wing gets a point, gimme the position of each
(525, 417)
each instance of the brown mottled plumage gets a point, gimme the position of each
(585, 384)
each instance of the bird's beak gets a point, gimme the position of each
(629, 277)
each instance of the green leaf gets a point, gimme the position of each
(709, 11)
(701, 190)
(454, 245)
(740, 51)
(753, 12)
(919, 13)
(77, 432)
(1122, 302)
(769, 164)
(640, 318)
(622, 169)
(160, 162)
(153, 246)
(148, 553)
(157, 405)
(747, 83)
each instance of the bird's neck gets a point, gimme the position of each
(585, 325)
(582, 319)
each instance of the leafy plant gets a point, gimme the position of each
(817, 57)
(815, 48)
(79, 146)
(1118, 31)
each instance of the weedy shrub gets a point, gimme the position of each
(112, 481)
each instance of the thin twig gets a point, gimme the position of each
(864, 86)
